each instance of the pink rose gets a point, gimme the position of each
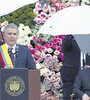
(56, 37)
(57, 5)
(61, 56)
(38, 16)
(62, 6)
(38, 6)
(43, 15)
(52, 10)
(35, 11)
(43, 20)
(54, 41)
(45, 8)
(37, 46)
(59, 48)
(43, 49)
(46, 45)
(48, 56)
(37, 54)
(33, 51)
(59, 40)
(50, 45)
(37, 20)
(62, 36)
(40, 40)
(55, 46)
(34, 38)
(30, 46)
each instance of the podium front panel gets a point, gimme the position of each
(14, 84)
(34, 84)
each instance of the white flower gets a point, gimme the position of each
(85, 1)
(27, 29)
(24, 31)
(4, 23)
(31, 38)
(38, 66)
(50, 50)
(2, 28)
(42, 55)
(56, 52)
(44, 71)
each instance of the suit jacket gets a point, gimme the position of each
(87, 59)
(82, 83)
(23, 59)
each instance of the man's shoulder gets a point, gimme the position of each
(22, 46)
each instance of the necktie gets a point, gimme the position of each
(12, 58)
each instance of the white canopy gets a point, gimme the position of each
(71, 20)
(8, 6)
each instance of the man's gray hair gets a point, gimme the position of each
(11, 25)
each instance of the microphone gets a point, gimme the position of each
(9, 50)
(16, 50)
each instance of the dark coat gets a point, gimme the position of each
(87, 59)
(71, 52)
(71, 60)
(82, 83)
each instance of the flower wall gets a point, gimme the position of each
(44, 9)
(48, 58)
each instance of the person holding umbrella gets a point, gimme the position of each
(71, 65)
(82, 85)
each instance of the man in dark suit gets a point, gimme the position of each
(22, 57)
(82, 84)
(70, 66)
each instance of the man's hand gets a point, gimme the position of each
(86, 66)
(85, 97)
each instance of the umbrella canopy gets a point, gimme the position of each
(71, 20)
(8, 6)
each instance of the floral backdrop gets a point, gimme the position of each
(46, 49)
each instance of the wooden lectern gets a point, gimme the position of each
(19, 84)
(34, 84)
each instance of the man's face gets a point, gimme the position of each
(11, 36)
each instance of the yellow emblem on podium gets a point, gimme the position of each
(14, 86)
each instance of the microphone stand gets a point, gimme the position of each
(12, 53)
(16, 54)
(14, 59)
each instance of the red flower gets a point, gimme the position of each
(34, 38)
(40, 40)
(37, 46)
(33, 51)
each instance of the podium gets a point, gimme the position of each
(19, 84)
